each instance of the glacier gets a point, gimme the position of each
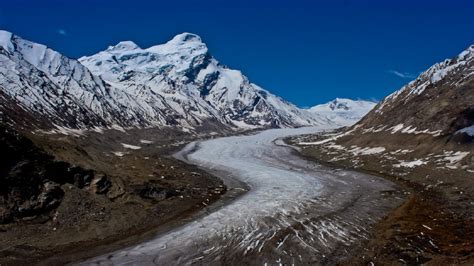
(293, 211)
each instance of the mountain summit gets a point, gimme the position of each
(196, 85)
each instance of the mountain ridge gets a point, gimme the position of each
(176, 84)
(440, 95)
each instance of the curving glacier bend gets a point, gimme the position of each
(295, 212)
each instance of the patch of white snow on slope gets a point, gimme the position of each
(132, 147)
(397, 128)
(452, 158)
(410, 164)
(367, 150)
(118, 153)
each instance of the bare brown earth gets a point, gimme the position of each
(435, 224)
(149, 193)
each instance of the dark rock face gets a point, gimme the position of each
(30, 179)
(100, 184)
(198, 63)
(208, 83)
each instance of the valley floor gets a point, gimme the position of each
(271, 206)
(435, 223)
(294, 212)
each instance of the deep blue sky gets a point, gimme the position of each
(304, 51)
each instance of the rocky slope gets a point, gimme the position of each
(32, 181)
(344, 112)
(174, 84)
(100, 192)
(426, 122)
(439, 102)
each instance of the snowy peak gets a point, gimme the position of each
(53, 64)
(190, 79)
(343, 111)
(123, 46)
(341, 104)
(337, 105)
(184, 44)
(126, 60)
(186, 37)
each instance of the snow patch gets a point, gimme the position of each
(367, 150)
(117, 127)
(64, 131)
(410, 164)
(396, 128)
(118, 153)
(452, 158)
(400, 151)
(98, 130)
(411, 130)
(132, 147)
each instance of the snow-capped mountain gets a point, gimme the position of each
(342, 111)
(51, 89)
(174, 84)
(185, 74)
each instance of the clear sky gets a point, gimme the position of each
(308, 52)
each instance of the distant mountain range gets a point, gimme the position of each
(176, 84)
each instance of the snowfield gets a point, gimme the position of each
(294, 212)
